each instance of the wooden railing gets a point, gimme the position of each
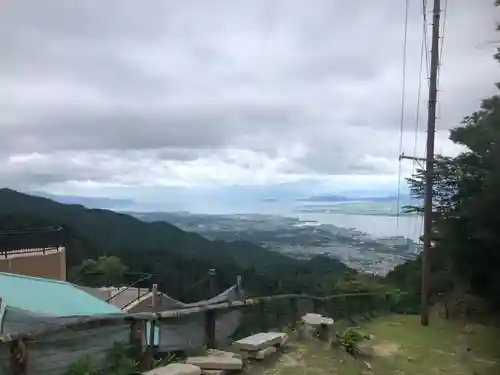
(286, 310)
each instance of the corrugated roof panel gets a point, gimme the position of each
(51, 297)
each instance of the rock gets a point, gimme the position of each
(260, 341)
(410, 359)
(216, 362)
(175, 369)
(263, 353)
(365, 348)
(468, 329)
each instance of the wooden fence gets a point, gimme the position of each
(28, 353)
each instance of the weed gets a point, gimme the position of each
(349, 340)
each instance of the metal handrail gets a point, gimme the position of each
(147, 277)
(31, 240)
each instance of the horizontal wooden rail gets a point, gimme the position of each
(81, 323)
(255, 301)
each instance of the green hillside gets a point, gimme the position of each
(178, 258)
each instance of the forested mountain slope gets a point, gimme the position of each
(177, 258)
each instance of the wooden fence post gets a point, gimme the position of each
(263, 316)
(210, 329)
(388, 304)
(295, 311)
(346, 308)
(135, 338)
(315, 303)
(277, 309)
(18, 357)
(152, 330)
(148, 357)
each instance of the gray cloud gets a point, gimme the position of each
(183, 81)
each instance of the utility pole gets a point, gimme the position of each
(429, 161)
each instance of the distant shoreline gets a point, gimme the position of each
(354, 213)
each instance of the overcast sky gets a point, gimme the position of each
(136, 95)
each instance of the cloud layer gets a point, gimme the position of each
(189, 93)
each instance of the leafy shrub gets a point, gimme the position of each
(349, 339)
(83, 366)
(119, 361)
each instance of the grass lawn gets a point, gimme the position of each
(402, 347)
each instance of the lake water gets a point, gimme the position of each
(375, 225)
(408, 226)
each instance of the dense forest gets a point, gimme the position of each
(466, 202)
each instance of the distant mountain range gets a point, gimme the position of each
(341, 198)
(273, 202)
(89, 202)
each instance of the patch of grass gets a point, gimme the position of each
(403, 347)
(311, 358)
(440, 348)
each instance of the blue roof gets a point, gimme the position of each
(52, 297)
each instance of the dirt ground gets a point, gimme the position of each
(401, 346)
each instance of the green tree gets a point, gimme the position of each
(106, 270)
(466, 203)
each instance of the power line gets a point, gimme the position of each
(423, 54)
(443, 30)
(426, 47)
(403, 98)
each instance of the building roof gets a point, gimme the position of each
(52, 297)
(120, 297)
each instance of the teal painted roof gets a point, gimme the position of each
(50, 297)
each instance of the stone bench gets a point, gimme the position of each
(315, 325)
(261, 341)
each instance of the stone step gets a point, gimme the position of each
(175, 369)
(216, 362)
(263, 353)
(260, 341)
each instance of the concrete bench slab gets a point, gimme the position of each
(260, 341)
(316, 319)
(216, 362)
